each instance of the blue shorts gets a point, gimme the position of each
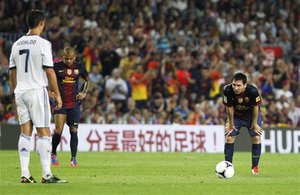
(73, 115)
(239, 123)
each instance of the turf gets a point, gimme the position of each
(154, 173)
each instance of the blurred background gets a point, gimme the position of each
(167, 61)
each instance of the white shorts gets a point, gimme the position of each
(34, 105)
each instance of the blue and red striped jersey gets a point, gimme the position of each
(68, 82)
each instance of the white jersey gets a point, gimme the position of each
(29, 55)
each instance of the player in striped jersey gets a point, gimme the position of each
(68, 73)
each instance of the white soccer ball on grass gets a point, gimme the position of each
(225, 170)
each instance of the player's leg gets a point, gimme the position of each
(24, 138)
(24, 152)
(60, 119)
(73, 145)
(43, 146)
(73, 117)
(256, 151)
(256, 148)
(41, 115)
(230, 139)
(229, 148)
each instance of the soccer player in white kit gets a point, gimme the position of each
(31, 68)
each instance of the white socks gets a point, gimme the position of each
(43, 147)
(24, 154)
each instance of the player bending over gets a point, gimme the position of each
(242, 102)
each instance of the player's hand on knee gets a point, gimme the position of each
(229, 129)
(257, 129)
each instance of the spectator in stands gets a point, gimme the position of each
(135, 117)
(183, 108)
(116, 88)
(56, 34)
(109, 59)
(177, 119)
(5, 87)
(96, 78)
(184, 77)
(139, 82)
(171, 84)
(294, 114)
(131, 105)
(158, 103)
(128, 64)
(191, 32)
(285, 91)
(266, 83)
(280, 74)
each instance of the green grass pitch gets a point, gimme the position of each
(154, 173)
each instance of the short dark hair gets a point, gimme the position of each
(241, 77)
(34, 17)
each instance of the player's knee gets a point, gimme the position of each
(26, 133)
(256, 139)
(43, 132)
(73, 130)
(58, 131)
(230, 139)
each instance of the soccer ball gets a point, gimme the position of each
(225, 169)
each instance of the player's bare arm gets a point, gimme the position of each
(257, 129)
(86, 86)
(229, 124)
(13, 78)
(53, 86)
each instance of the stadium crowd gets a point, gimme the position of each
(167, 61)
